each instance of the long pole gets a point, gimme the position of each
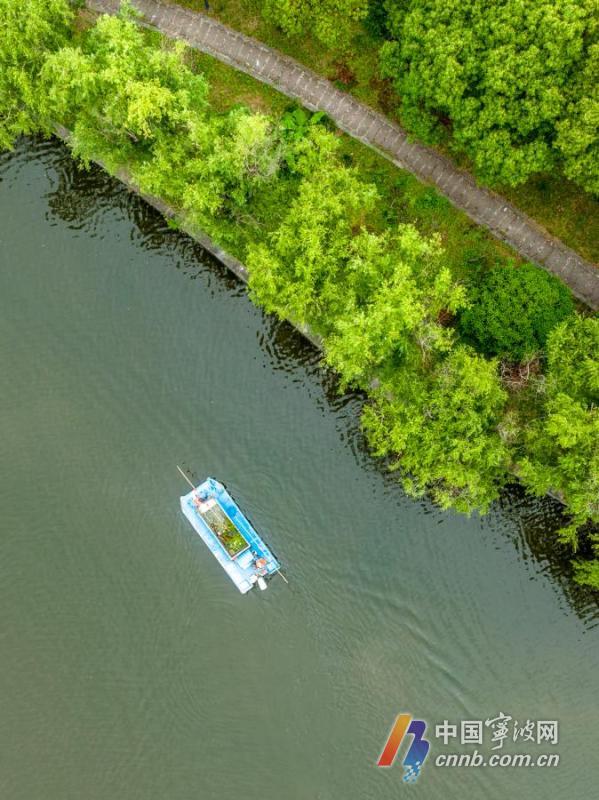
(185, 476)
(282, 576)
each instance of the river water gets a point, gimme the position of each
(130, 665)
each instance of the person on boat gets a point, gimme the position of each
(261, 566)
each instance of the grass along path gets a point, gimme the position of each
(561, 207)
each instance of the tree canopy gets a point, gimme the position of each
(441, 429)
(120, 96)
(517, 81)
(512, 311)
(28, 32)
(562, 446)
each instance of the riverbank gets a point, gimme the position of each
(182, 223)
(484, 207)
(320, 250)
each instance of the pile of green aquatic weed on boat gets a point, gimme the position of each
(223, 527)
(389, 306)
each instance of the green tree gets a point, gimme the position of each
(587, 572)
(28, 33)
(331, 21)
(134, 103)
(244, 153)
(375, 298)
(513, 310)
(441, 430)
(396, 288)
(299, 273)
(562, 446)
(577, 140)
(121, 96)
(517, 81)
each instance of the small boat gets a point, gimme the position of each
(229, 535)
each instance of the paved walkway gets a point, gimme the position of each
(373, 129)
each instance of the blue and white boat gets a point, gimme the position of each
(229, 535)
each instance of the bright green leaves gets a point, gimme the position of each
(133, 94)
(230, 159)
(392, 306)
(130, 101)
(377, 300)
(299, 273)
(28, 33)
(573, 359)
(147, 108)
(578, 130)
(562, 447)
(247, 155)
(374, 297)
(587, 572)
(442, 429)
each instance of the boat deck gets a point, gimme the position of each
(241, 568)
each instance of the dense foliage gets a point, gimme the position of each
(512, 311)
(441, 428)
(122, 99)
(28, 32)
(518, 81)
(330, 21)
(128, 102)
(382, 299)
(562, 445)
(374, 297)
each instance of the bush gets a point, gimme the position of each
(331, 21)
(513, 310)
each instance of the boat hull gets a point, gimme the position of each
(240, 569)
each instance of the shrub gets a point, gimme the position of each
(513, 310)
(331, 21)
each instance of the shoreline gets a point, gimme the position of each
(233, 264)
(203, 239)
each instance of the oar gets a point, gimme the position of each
(282, 576)
(186, 478)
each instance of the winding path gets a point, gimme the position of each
(361, 122)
